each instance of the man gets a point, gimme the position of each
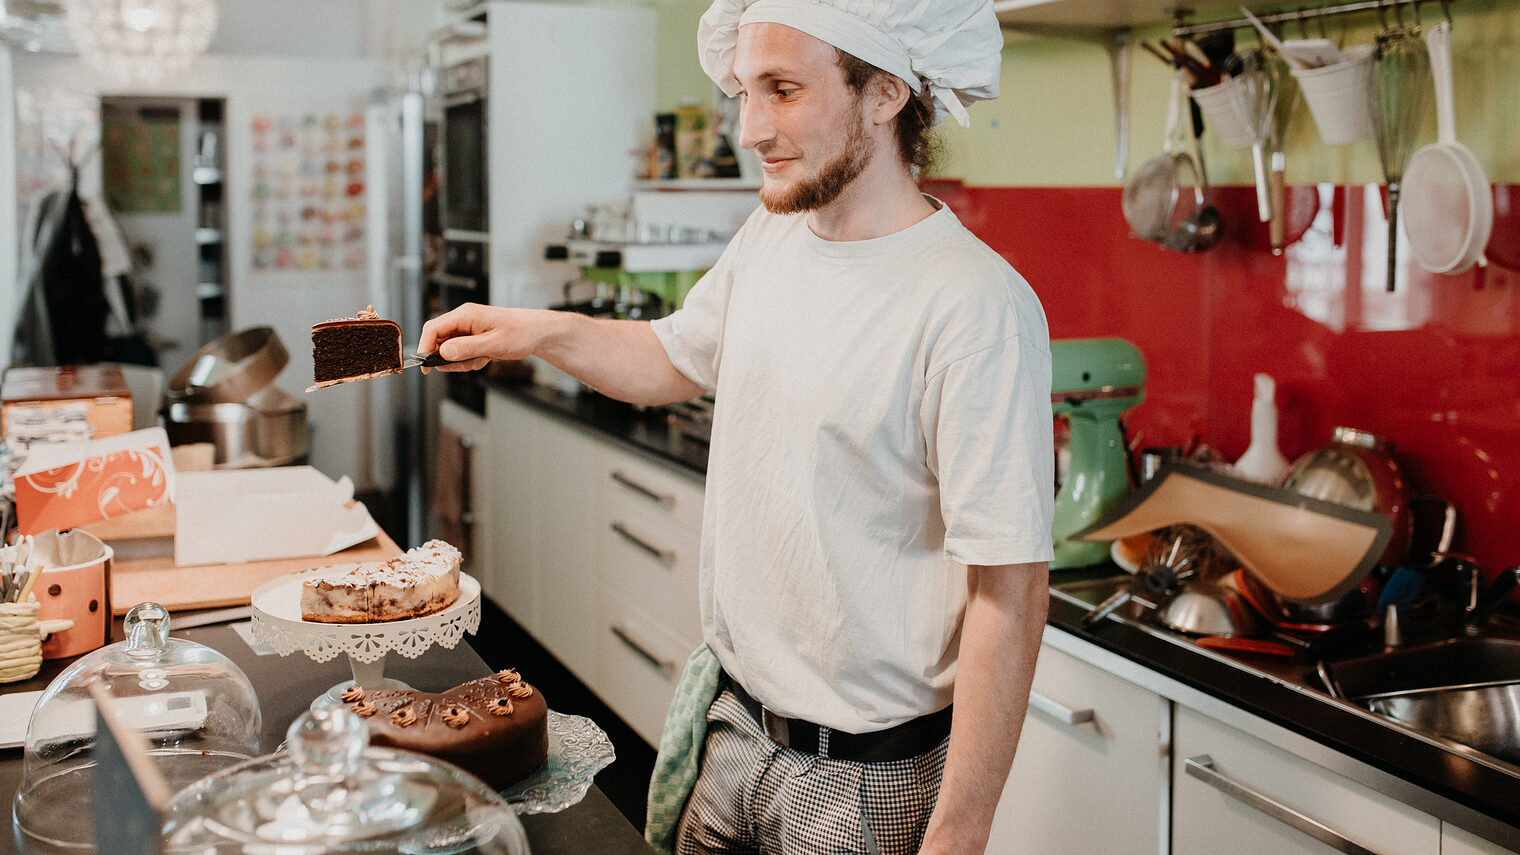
(878, 512)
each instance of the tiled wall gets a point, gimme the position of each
(1433, 366)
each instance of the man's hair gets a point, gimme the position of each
(914, 126)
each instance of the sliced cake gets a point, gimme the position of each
(356, 348)
(418, 582)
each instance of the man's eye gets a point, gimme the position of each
(785, 92)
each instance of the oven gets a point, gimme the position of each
(464, 192)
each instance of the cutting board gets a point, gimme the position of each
(145, 572)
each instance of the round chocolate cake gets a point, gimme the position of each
(496, 728)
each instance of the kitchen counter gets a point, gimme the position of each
(1451, 782)
(642, 429)
(285, 686)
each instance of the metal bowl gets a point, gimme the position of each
(1484, 717)
(1212, 608)
(268, 430)
(230, 369)
(1358, 469)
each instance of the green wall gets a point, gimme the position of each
(1053, 124)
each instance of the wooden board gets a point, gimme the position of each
(149, 575)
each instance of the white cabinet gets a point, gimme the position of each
(645, 537)
(1091, 773)
(1233, 792)
(540, 478)
(1455, 841)
(594, 550)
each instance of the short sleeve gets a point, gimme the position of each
(988, 432)
(693, 335)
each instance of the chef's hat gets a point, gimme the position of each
(955, 45)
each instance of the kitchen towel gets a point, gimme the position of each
(451, 487)
(680, 757)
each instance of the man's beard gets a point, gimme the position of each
(817, 191)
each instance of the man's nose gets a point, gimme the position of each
(755, 125)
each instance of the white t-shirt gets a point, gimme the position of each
(883, 419)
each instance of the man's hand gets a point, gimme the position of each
(1000, 640)
(473, 335)
(620, 359)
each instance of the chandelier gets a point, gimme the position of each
(140, 41)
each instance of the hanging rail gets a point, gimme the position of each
(1303, 14)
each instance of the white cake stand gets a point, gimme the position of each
(277, 622)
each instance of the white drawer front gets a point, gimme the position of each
(1233, 792)
(640, 666)
(628, 479)
(654, 564)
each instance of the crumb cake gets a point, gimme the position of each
(496, 727)
(356, 348)
(418, 582)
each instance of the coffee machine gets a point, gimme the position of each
(1093, 382)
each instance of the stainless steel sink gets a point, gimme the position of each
(1466, 690)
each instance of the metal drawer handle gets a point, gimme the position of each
(1202, 768)
(664, 556)
(624, 636)
(1060, 712)
(665, 499)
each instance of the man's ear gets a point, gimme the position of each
(890, 93)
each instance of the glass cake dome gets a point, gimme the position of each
(329, 791)
(194, 706)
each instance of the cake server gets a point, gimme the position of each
(430, 360)
(427, 360)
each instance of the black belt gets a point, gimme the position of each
(900, 742)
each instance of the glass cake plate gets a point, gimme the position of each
(578, 749)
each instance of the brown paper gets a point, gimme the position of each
(1305, 549)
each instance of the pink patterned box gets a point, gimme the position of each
(65, 485)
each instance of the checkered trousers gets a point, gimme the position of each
(755, 797)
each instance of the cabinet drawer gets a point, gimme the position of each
(629, 480)
(640, 664)
(1233, 790)
(652, 563)
(1089, 740)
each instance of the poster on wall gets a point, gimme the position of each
(140, 158)
(308, 191)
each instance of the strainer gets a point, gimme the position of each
(1165, 201)
(1448, 205)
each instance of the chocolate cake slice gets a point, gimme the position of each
(356, 348)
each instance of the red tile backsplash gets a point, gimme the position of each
(1434, 366)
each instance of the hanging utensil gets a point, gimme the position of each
(1400, 93)
(1204, 226)
(1449, 205)
(1254, 85)
(1277, 144)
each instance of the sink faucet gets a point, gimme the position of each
(1480, 603)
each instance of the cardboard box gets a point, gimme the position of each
(63, 485)
(229, 516)
(98, 391)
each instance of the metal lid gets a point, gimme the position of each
(231, 368)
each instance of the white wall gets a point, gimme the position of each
(9, 238)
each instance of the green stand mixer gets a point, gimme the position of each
(1094, 380)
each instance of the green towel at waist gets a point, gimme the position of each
(680, 757)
